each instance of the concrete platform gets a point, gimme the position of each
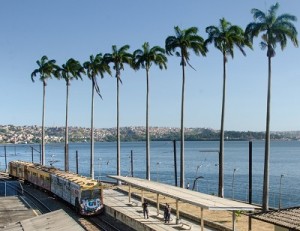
(13, 209)
(116, 205)
(54, 221)
(17, 215)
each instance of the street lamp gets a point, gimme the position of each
(233, 174)
(52, 161)
(279, 200)
(197, 178)
(198, 166)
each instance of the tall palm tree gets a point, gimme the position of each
(95, 66)
(275, 30)
(118, 58)
(72, 69)
(224, 38)
(46, 69)
(183, 41)
(144, 58)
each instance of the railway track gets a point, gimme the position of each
(29, 198)
(102, 223)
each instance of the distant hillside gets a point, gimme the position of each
(32, 134)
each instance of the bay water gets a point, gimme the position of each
(201, 165)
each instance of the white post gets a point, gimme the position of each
(129, 193)
(202, 221)
(233, 220)
(157, 203)
(177, 212)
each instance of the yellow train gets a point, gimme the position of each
(85, 194)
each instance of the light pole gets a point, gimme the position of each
(233, 174)
(52, 161)
(197, 178)
(198, 166)
(279, 200)
(157, 165)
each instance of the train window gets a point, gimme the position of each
(96, 193)
(86, 194)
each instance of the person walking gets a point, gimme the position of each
(166, 213)
(145, 210)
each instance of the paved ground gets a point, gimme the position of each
(12, 209)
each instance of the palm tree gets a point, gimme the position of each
(184, 40)
(46, 69)
(275, 30)
(224, 38)
(95, 66)
(118, 58)
(72, 69)
(144, 58)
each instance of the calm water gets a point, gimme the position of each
(201, 159)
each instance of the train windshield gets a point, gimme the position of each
(90, 194)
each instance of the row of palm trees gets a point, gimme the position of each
(274, 29)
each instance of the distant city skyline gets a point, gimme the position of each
(77, 29)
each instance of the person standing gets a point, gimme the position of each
(166, 213)
(145, 210)
(169, 213)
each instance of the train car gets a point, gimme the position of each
(18, 169)
(84, 194)
(39, 175)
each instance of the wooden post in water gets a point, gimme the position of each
(250, 172)
(131, 161)
(41, 154)
(31, 154)
(175, 162)
(76, 161)
(5, 159)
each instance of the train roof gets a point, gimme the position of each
(43, 168)
(83, 181)
(20, 162)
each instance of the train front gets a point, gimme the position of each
(91, 202)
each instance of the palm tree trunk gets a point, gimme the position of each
(147, 129)
(118, 128)
(267, 144)
(182, 128)
(221, 152)
(67, 132)
(92, 133)
(43, 124)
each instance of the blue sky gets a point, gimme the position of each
(77, 29)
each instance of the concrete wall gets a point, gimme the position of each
(127, 220)
(278, 228)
